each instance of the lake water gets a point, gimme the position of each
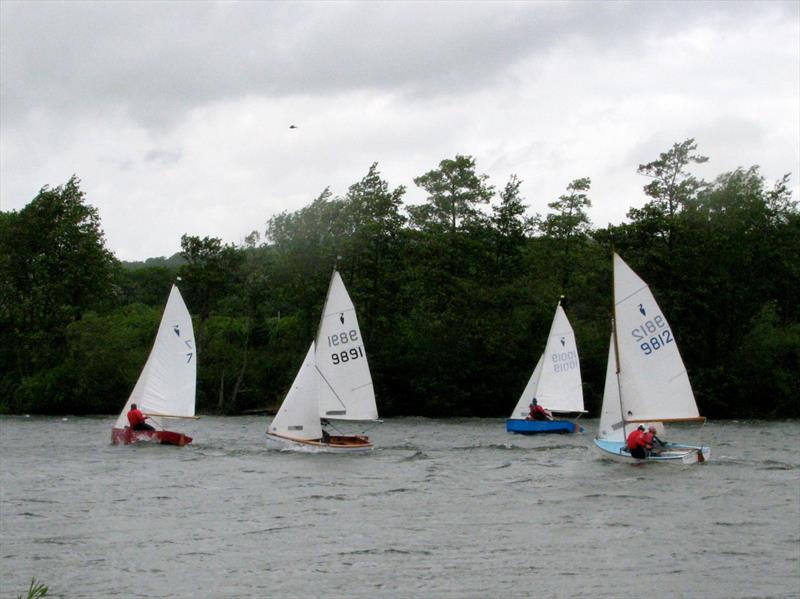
(442, 508)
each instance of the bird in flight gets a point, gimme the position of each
(292, 126)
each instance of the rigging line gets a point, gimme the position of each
(376, 423)
(629, 296)
(333, 426)
(339, 399)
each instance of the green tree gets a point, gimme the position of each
(455, 191)
(670, 189)
(569, 224)
(53, 267)
(510, 224)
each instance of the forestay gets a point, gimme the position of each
(653, 382)
(167, 382)
(556, 380)
(298, 416)
(345, 387)
(611, 424)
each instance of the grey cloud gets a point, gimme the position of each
(163, 157)
(159, 60)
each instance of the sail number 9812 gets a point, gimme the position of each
(652, 335)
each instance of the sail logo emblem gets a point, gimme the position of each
(188, 343)
(642, 310)
(563, 342)
(177, 329)
(341, 317)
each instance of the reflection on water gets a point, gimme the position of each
(455, 508)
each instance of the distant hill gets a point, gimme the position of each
(173, 261)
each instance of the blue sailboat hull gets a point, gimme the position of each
(535, 427)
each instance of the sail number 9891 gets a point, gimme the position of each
(347, 354)
(342, 338)
(354, 353)
(652, 335)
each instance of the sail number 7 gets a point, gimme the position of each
(652, 335)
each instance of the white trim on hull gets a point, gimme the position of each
(314, 446)
(673, 454)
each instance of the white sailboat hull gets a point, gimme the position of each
(337, 444)
(673, 453)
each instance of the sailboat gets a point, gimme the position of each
(333, 383)
(555, 383)
(166, 385)
(646, 381)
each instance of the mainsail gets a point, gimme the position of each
(345, 387)
(556, 380)
(167, 382)
(653, 383)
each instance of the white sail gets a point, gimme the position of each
(556, 380)
(167, 382)
(560, 388)
(298, 416)
(653, 381)
(345, 387)
(522, 409)
(611, 423)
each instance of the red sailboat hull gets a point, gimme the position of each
(127, 436)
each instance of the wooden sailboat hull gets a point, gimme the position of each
(673, 453)
(127, 436)
(534, 427)
(335, 444)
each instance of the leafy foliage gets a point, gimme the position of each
(35, 591)
(454, 296)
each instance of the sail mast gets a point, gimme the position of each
(616, 343)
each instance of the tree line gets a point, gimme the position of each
(455, 296)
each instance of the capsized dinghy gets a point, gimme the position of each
(646, 381)
(555, 383)
(334, 383)
(166, 385)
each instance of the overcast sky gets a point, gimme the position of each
(175, 115)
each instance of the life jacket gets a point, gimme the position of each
(135, 417)
(635, 439)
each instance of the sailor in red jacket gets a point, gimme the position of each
(137, 420)
(538, 412)
(637, 444)
(651, 442)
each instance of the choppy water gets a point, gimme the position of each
(455, 508)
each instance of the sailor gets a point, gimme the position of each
(636, 443)
(137, 419)
(651, 442)
(538, 412)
